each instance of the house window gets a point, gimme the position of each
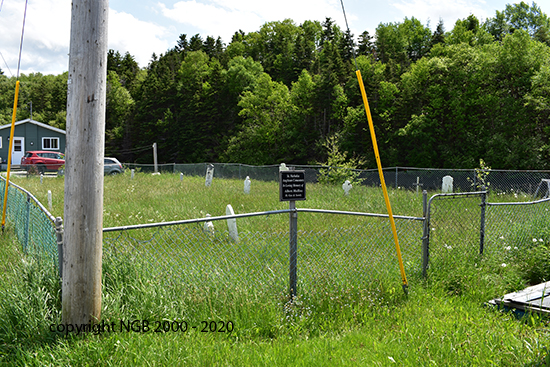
(50, 143)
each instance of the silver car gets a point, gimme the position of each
(112, 166)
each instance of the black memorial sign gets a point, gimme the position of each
(292, 185)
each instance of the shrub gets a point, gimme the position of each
(340, 168)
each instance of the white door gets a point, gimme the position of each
(18, 150)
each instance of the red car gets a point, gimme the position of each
(43, 161)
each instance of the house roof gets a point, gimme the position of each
(45, 126)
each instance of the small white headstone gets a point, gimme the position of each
(209, 175)
(232, 224)
(132, 176)
(283, 167)
(447, 184)
(209, 226)
(247, 185)
(181, 176)
(347, 187)
(50, 199)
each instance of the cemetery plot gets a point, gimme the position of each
(330, 259)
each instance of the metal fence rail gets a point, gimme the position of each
(452, 232)
(454, 229)
(332, 259)
(462, 227)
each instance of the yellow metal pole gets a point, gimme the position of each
(382, 181)
(9, 153)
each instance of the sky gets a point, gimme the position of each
(144, 27)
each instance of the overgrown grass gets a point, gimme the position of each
(442, 321)
(149, 198)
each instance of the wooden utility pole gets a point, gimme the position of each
(81, 290)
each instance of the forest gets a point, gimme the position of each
(289, 93)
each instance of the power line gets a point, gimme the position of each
(347, 26)
(135, 150)
(21, 43)
(6, 64)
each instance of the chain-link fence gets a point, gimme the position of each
(513, 226)
(455, 228)
(461, 227)
(35, 228)
(205, 252)
(524, 183)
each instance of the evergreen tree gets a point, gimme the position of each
(438, 37)
(365, 46)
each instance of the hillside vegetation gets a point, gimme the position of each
(443, 99)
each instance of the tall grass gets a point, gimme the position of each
(149, 198)
(361, 320)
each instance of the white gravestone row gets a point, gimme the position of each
(283, 167)
(232, 224)
(247, 185)
(209, 226)
(209, 175)
(447, 186)
(346, 186)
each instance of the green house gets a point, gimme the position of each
(30, 135)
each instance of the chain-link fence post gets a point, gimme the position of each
(59, 235)
(293, 249)
(425, 234)
(482, 222)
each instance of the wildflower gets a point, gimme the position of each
(508, 248)
(503, 265)
(501, 237)
(534, 240)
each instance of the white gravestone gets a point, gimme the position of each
(132, 176)
(283, 167)
(447, 184)
(209, 175)
(181, 176)
(247, 185)
(347, 187)
(50, 199)
(232, 224)
(209, 226)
